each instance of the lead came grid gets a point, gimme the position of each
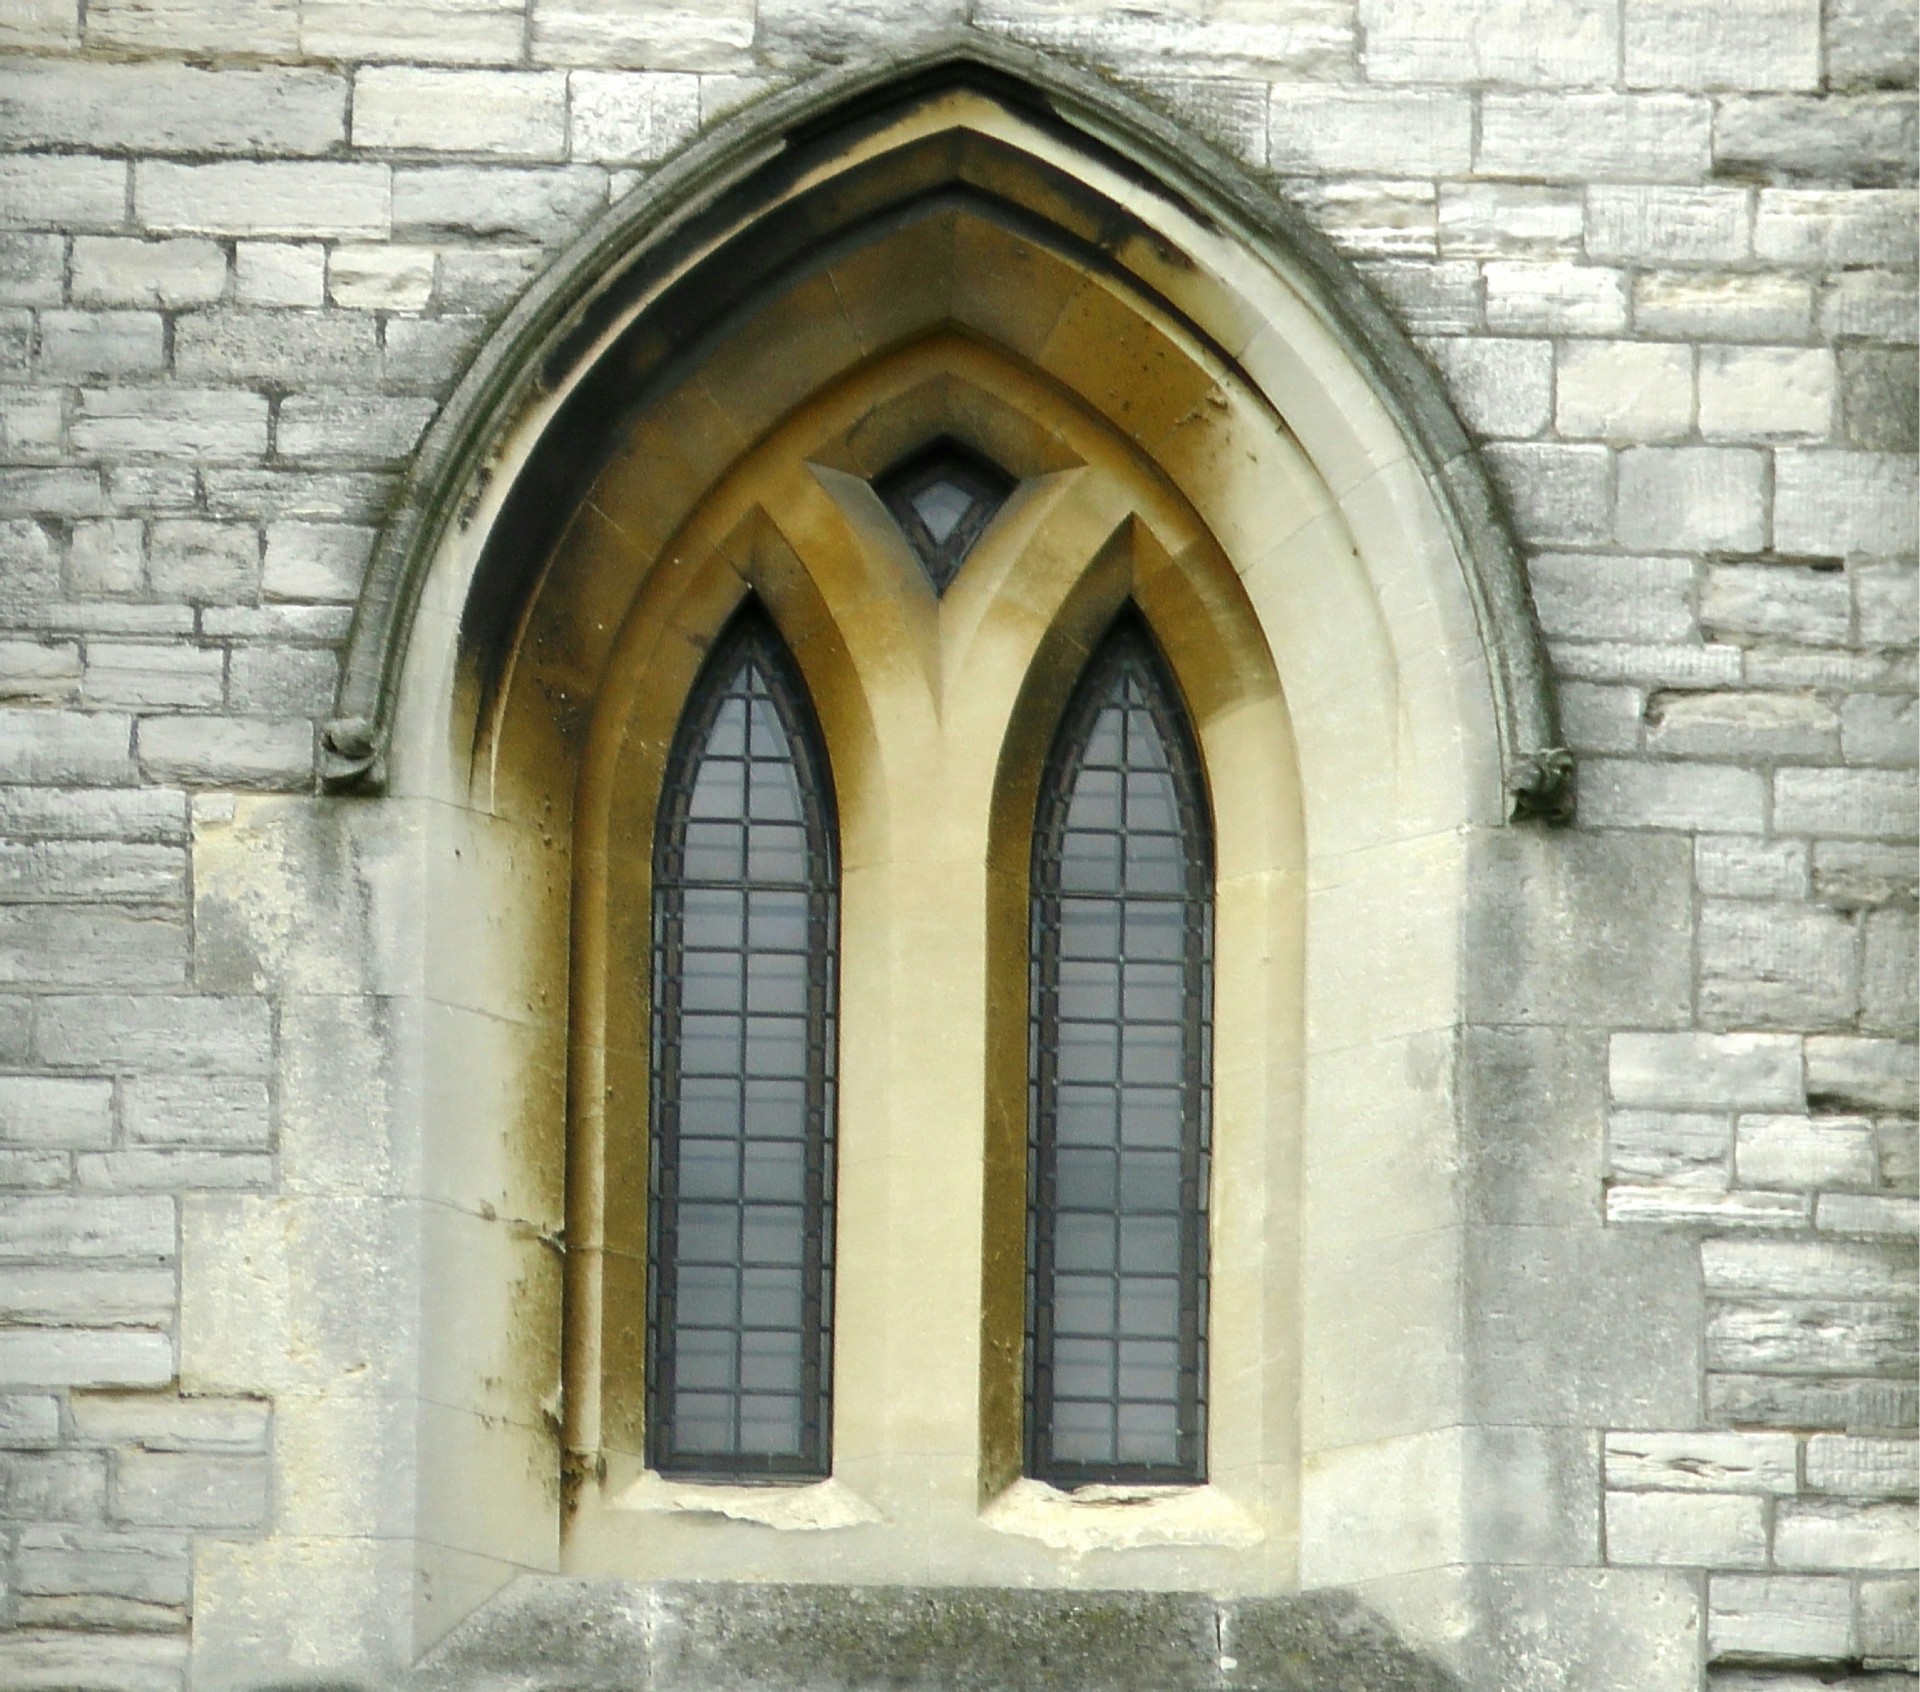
(1122, 932)
(742, 1181)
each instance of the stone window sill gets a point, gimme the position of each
(1120, 1518)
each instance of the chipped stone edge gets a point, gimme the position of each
(1121, 1518)
(819, 1507)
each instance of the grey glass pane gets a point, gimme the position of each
(741, 1223)
(1121, 936)
(940, 505)
(943, 498)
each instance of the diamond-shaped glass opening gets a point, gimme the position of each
(943, 497)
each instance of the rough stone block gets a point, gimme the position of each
(1654, 224)
(167, 422)
(82, 946)
(1697, 44)
(114, 270)
(1500, 387)
(1775, 602)
(1836, 502)
(62, 191)
(1834, 227)
(1697, 1207)
(1600, 719)
(1888, 1611)
(1867, 804)
(149, 674)
(1741, 725)
(1558, 494)
(1691, 499)
(380, 278)
(166, 1422)
(1870, 44)
(177, 1490)
(682, 35)
(1789, 1618)
(266, 752)
(636, 117)
(1555, 299)
(1816, 1534)
(1787, 1401)
(279, 197)
(100, 344)
(1624, 390)
(1723, 305)
(1863, 1468)
(1595, 137)
(483, 279)
(1510, 220)
(1878, 405)
(1868, 305)
(423, 354)
(170, 108)
(57, 1357)
(279, 273)
(315, 561)
(205, 563)
(1564, 43)
(1808, 1268)
(1884, 602)
(1802, 1151)
(1424, 133)
(93, 1295)
(1879, 728)
(282, 681)
(1859, 1213)
(1734, 866)
(291, 348)
(540, 205)
(1803, 1337)
(48, 1662)
(1683, 1529)
(1672, 1148)
(29, 1421)
(64, 747)
(53, 24)
(1766, 393)
(190, 1034)
(448, 31)
(150, 1567)
(355, 429)
(1366, 216)
(1591, 596)
(1429, 298)
(33, 269)
(40, 1110)
(1887, 985)
(145, 1169)
(1782, 137)
(1706, 1071)
(188, 1110)
(1703, 1462)
(1622, 793)
(507, 114)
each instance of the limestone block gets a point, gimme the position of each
(1884, 603)
(1595, 137)
(279, 273)
(1802, 1151)
(204, 422)
(47, 1662)
(1787, 1617)
(42, 24)
(205, 562)
(1425, 133)
(1868, 305)
(100, 344)
(1703, 1462)
(1834, 227)
(92, 948)
(1577, 929)
(1836, 502)
(1854, 1213)
(1570, 42)
(450, 31)
(1787, 1401)
(1618, 793)
(1871, 804)
(1817, 1534)
(380, 278)
(1673, 666)
(284, 198)
(1659, 225)
(1624, 390)
(1766, 393)
(32, 269)
(1783, 966)
(1719, 1530)
(1578, 1325)
(1759, 1071)
(1290, 42)
(92, 1295)
(1741, 725)
(1862, 874)
(107, 1357)
(1690, 498)
(323, 561)
(1501, 387)
(682, 35)
(1698, 1207)
(1558, 494)
(171, 108)
(288, 348)
(1878, 399)
(483, 279)
(506, 114)
(1671, 1148)
(1864, 140)
(149, 674)
(1600, 719)
(1362, 215)
(1722, 305)
(1879, 728)
(181, 1489)
(267, 752)
(1381, 1508)
(1554, 1629)
(1533, 1496)
(1863, 1468)
(1887, 1615)
(278, 681)
(357, 429)
(29, 1420)
(1555, 299)
(67, 190)
(630, 116)
(41, 1110)
(1510, 220)
(1827, 1337)
(424, 354)
(1887, 984)
(1429, 298)
(1694, 44)
(475, 200)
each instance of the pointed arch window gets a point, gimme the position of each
(1119, 1083)
(741, 1172)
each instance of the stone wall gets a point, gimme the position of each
(1661, 251)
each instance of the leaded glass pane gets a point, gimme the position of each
(1120, 997)
(943, 498)
(740, 1237)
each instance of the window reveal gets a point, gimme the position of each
(1119, 1083)
(741, 1173)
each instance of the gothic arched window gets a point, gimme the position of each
(1120, 1061)
(741, 1188)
